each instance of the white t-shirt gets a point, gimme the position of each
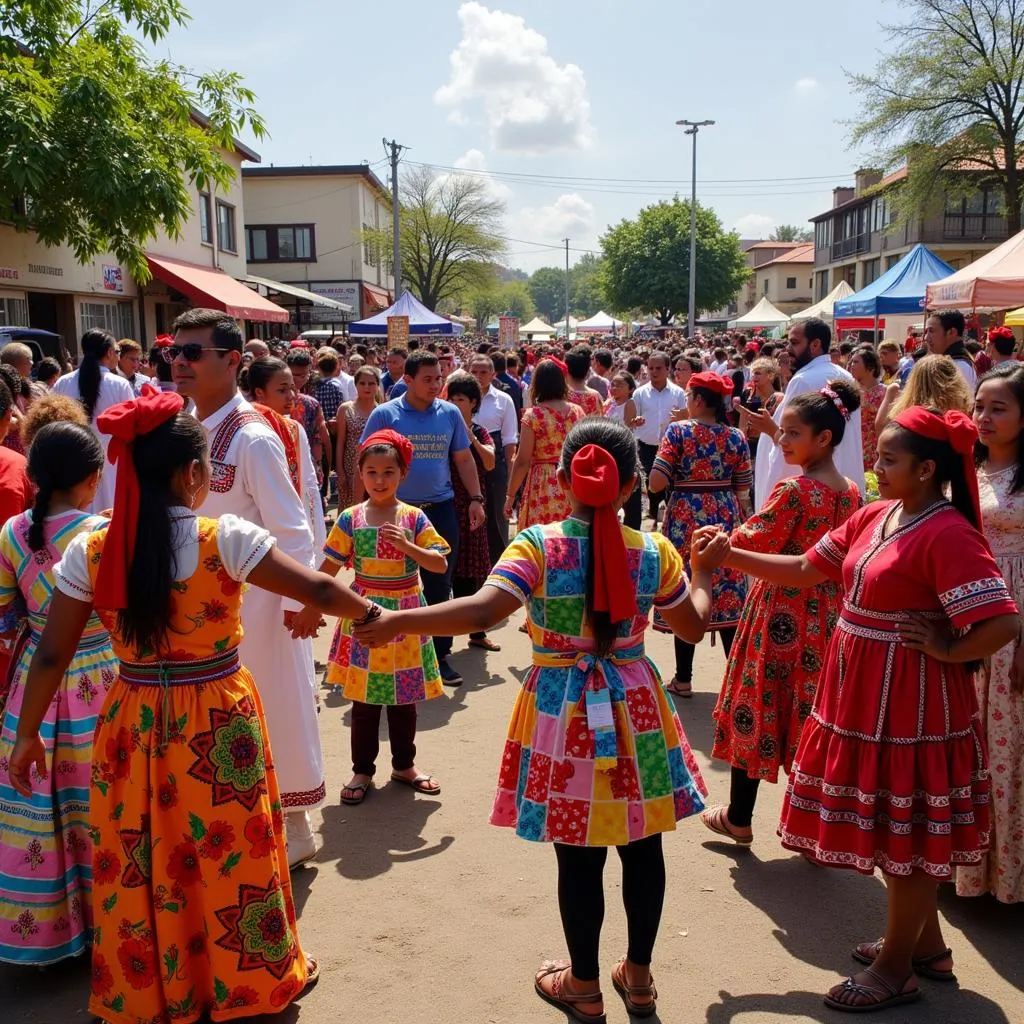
(242, 546)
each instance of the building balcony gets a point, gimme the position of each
(852, 246)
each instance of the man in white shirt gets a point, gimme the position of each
(808, 347)
(944, 336)
(497, 415)
(250, 478)
(655, 402)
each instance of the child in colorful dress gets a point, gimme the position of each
(891, 769)
(776, 658)
(386, 542)
(193, 911)
(45, 850)
(595, 755)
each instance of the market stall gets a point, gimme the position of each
(994, 281)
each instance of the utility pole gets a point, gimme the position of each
(394, 150)
(566, 240)
(691, 128)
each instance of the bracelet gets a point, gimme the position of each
(372, 614)
(477, 497)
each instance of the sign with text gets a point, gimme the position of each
(113, 279)
(8, 274)
(508, 331)
(398, 332)
(340, 291)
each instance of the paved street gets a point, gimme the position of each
(420, 912)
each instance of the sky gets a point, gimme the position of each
(566, 107)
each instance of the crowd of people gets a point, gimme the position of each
(176, 520)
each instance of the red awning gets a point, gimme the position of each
(375, 298)
(208, 286)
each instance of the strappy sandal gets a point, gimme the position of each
(485, 643)
(716, 819)
(420, 783)
(867, 953)
(563, 1000)
(627, 991)
(680, 689)
(362, 788)
(882, 996)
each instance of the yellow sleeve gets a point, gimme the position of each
(673, 587)
(8, 576)
(520, 570)
(338, 548)
(427, 537)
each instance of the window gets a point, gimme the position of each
(766, 286)
(280, 243)
(205, 234)
(371, 255)
(822, 284)
(115, 317)
(823, 233)
(880, 214)
(226, 227)
(790, 283)
(978, 215)
(13, 313)
(872, 268)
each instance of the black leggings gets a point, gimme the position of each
(685, 653)
(742, 797)
(581, 900)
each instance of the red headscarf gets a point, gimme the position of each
(958, 430)
(163, 341)
(595, 482)
(125, 422)
(712, 382)
(558, 363)
(393, 438)
(1000, 332)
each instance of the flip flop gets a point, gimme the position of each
(715, 819)
(362, 788)
(485, 643)
(891, 995)
(420, 783)
(566, 1001)
(627, 991)
(678, 689)
(867, 953)
(312, 973)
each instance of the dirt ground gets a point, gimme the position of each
(422, 913)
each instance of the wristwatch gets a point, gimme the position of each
(477, 497)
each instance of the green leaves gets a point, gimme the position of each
(195, 823)
(101, 138)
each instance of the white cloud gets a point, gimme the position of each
(569, 216)
(531, 103)
(754, 225)
(805, 86)
(474, 160)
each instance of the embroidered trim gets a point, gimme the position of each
(976, 594)
(500, 583)
(255, 556)
(231, 425)
(308, 798)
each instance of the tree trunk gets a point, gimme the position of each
(1011, 198)
(664, 315)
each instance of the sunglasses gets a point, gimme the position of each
(193, 351)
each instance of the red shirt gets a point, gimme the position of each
(17, 494)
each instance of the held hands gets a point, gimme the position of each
(380, 632)
(305, 625)
(709, 548)
(27, 752)
(928, 636)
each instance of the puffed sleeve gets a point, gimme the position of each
(338, 548)
(427, 537)
(673, 586)
(242, 545)
(770, 529)
(520, 569)
(71, 573)
(970, 586)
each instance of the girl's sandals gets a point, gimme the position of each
(312, 973)
(485, 643)
(716, 819)
(627, 992)
(853, 997)
(561, 997)
(360, 789)
(425, 784)
(680, 689)
(867, 953)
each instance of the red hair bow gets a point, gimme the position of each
(124, 423)
(1001, 332)
(398, 441)
(595, 482)
(712, 382)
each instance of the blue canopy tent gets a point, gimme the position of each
(900, 290)
(421, 320)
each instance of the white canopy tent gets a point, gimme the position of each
(823, 308)
(764, 314)
(537, 327)
(599, 323)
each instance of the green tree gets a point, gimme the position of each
(514, 298)
(449, 235)
(791, 233)
(646, 261)
(586, 289)
(100, 144)
(547, 289)
(950, 92)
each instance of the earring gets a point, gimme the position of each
(192, 500)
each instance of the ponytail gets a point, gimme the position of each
(40, 510)
(96, 344)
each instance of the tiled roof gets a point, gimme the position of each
(802, 253)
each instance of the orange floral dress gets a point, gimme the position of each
(588, 400)
(193, 907)
(543, 500)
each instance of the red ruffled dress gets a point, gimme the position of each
(891, 770)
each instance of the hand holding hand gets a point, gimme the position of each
(928, 636)
(709, 547)
(27, 752)
(379, 632)
(306, 624)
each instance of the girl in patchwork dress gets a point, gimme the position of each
(386, 542)
(891, 771)
(595, 755)
(45, 850)
(193, 910)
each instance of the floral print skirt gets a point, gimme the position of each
(45, 852)
(193, 911)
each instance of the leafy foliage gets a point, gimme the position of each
(948, 97)
(791, 233)
(101, 145)
(647, 260)
(586, 297)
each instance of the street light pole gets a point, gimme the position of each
(691, 128)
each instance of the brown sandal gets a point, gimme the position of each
(420, 783)
(716, 819)
(566, 1001)
(868, 953)
(680, 689)
(485, 643)
(879, 996)
(627, 991)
